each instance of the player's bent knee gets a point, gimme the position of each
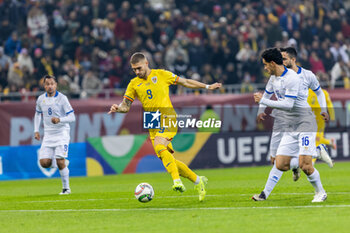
(282, 167)
(60, 163)
(306, 168)
(307, 171)
(46, 163)
(159, 140)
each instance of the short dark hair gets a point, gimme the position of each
(292, 52)
(48, 77)
(137, 57)
(274, 55)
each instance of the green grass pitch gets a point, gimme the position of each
(107, 204)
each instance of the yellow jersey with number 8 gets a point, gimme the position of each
(154, 95)
(153, 92)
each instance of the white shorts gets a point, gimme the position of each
(276, 136)
(297, 143)
(57, 152)
(274, 143)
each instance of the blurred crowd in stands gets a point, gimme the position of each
(87, 44)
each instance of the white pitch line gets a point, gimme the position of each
(111, 199)
(178, 209)
(276, 194)
(168, 197)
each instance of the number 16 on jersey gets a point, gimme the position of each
(305, 141)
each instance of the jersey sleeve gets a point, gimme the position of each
(170, 78)
(314, 84)
(130, 92)
(269, 88)
(38, 106)
(267, 95)
(284, 104)
(292, 87)
(66, 106)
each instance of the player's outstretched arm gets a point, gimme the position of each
(190, 83)
(37, 120)
(123, 107)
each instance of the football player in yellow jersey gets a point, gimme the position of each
(312, 100)
(321, 125)
(151, 87)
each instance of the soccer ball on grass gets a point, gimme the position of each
(144, 192)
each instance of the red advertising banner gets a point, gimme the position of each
(237, 113)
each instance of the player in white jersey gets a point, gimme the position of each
(289, 60)
(57, 113)
(289, 55)
(299, 123)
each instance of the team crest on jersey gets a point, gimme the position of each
(154, 79)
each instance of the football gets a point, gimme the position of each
(144, 192)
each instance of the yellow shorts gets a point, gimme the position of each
(168, 133)
(168, 128)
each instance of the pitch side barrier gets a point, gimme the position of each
(21, 162)
(134, 154)
(197, 150)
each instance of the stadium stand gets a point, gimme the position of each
(87, 44)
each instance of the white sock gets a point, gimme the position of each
(274, 176)
(197, 180)
(318, 152)
(294, 163)
(315, 180)
(177, 180)
(53, 163)
(65, 177)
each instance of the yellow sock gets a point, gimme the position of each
(168, 161)
(185, 171)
